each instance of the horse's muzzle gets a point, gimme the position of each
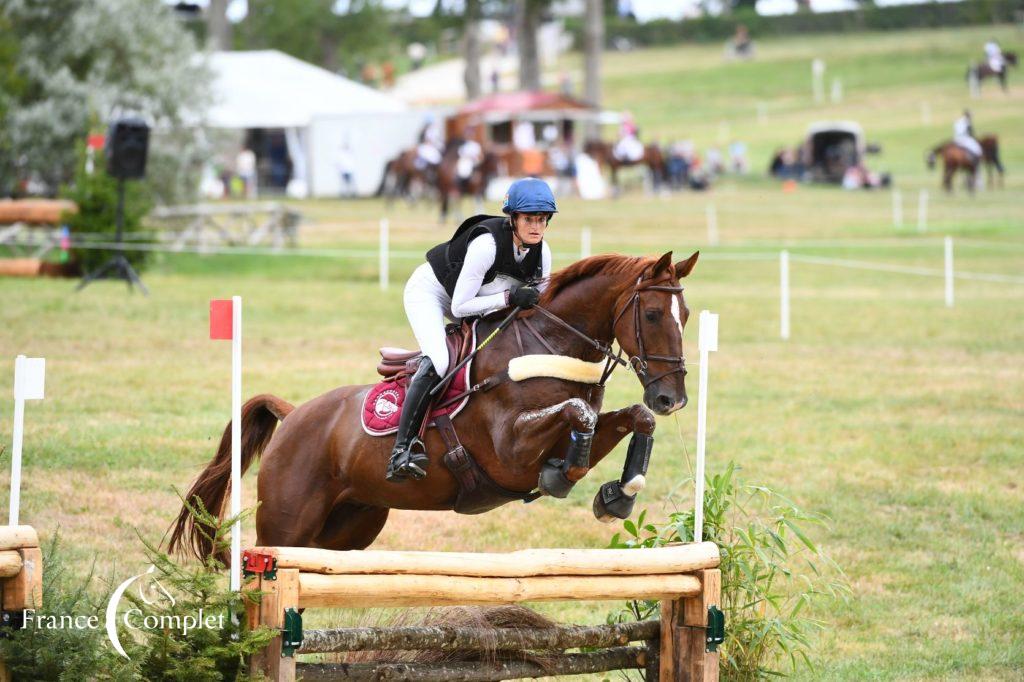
(663, 403)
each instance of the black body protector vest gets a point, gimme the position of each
(446, 259)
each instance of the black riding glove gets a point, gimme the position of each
(523, 297)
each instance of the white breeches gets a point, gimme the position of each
(429, 153)
(426, 305)
(968, 143)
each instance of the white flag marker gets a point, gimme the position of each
(29, 380)
(707, 342)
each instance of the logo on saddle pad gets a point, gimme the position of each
(386, 403)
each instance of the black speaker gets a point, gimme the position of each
(127, 147)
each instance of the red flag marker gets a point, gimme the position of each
(220, 319)
(226, 323)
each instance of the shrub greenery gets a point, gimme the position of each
(771, 572)
(168, 592)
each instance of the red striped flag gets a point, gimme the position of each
(220, 319)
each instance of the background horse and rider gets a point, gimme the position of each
(452, 186)
(407, 176)
(603, 152)
(321, 480)
(980, 71)
(956, 158)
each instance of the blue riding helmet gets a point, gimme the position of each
(529, 195)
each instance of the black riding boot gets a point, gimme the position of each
(404, 462)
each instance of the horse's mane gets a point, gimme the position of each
(604, 264)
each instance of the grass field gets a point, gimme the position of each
(899, 418)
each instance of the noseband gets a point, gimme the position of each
(641, 360)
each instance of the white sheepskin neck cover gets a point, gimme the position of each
(555, 367)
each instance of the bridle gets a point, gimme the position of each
(640, 362)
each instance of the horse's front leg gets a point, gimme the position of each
(591, 438)
(541, 433)
(615, 499)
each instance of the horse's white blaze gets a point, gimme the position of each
(675, 314)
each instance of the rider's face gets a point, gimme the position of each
(530, 227)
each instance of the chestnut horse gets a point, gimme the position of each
(982, 70)
(321, 480)
(955, 157)
(653, 158)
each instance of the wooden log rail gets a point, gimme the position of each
(21, 576)
(448, 638)
(683, 577)
(21, 568)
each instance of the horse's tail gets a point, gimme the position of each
(259, 419)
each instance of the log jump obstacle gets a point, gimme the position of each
(21, 577)
(681, 646)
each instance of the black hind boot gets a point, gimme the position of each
(404, 462)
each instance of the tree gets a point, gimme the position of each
(326, 32)
(80, 63)
(528, 14)
(593, 44)
(218, 28)
(472, 49)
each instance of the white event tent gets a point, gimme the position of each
(328, 121)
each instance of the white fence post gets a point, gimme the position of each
(922, 211)
(784, 294)
(707, 341)
(712, 219)
(949, 271)
(837, 91)
(384, 260)
(584, 242)
(897, 209)
(818, 79)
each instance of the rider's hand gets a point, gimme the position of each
(523, 297)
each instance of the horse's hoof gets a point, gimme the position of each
(612, 503)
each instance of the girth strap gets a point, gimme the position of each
(478, 492)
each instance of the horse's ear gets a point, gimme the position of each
(684, 267)
(661, 265)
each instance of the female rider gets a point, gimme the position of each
(491, 262)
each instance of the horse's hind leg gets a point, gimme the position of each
(352, 526)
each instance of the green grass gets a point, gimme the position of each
(898, 417)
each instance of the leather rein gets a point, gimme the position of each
(639, 363)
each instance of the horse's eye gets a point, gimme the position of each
(653, 315)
